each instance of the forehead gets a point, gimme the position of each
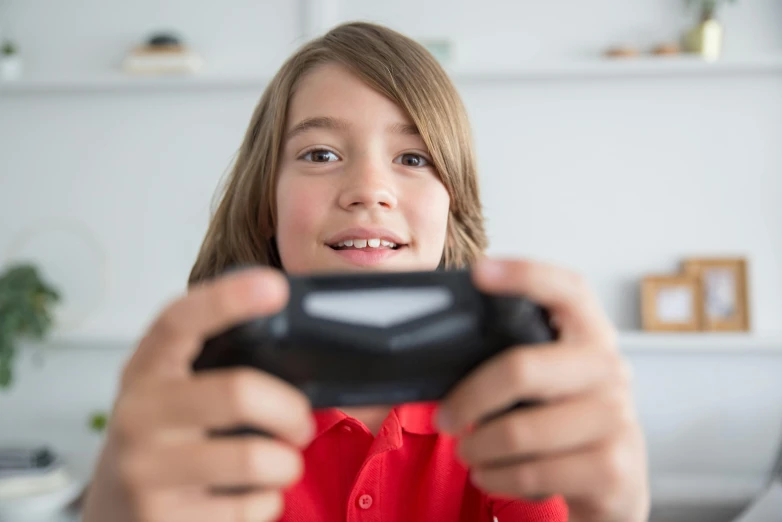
(333, 90)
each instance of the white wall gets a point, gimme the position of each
(613, 176)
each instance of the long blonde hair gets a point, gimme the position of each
(241, 231)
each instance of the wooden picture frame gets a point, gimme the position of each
(724, 292)
(671, 303)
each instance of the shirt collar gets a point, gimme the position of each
(416, 418)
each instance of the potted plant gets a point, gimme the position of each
(10, 60)
(706, 37)
(26, 303)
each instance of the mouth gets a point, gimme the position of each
(366, 239)
(366, 246)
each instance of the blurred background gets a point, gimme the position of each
(620, 139)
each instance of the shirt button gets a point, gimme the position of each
(346, 428)
(365, 501)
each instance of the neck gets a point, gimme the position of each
(371, 416)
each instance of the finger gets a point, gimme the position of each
(565, 294)
(543, 373)
(173, 506)
(257, 462)
(558, 427)
(177, 335)
(596, 471)
(219, 400)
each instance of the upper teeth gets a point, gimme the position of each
(362, 243)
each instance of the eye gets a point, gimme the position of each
(411, 159)
(319, 156)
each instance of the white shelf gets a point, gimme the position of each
(705, 489)
(83, 342)
(680, 66)
(700, 342)
(117, 81)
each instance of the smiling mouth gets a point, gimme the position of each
(366, 245)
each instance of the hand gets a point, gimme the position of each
(583, 441)
(159, 462)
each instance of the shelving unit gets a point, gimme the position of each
(666, 67)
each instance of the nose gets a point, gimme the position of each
(368, 185)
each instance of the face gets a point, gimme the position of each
(356, 189)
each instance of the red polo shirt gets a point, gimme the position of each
(407, 473)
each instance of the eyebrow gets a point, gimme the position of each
(337, 124)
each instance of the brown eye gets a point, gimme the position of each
(320, 156)
(413, 160)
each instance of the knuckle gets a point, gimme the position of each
(520, 367)
(621, 411)
(253, 460)
(238, 390)
(614, 468)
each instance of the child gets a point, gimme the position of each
(357, 158)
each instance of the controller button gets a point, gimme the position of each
(365, 501)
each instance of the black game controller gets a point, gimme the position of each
(379, 338)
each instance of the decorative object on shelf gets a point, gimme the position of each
(666, 49)
(724, 292)
(163, 53)
(670, 303)
(706, 37)
(67, 251)
(10, 61)
(35, 483)
(26, 302)
(623, 51)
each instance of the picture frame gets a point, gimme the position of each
(724, 288)
(671, 303)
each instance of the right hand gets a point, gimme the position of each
(159, 462)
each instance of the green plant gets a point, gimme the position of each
(8, 48)
(98, 421)
(26, 302)
(708, 8)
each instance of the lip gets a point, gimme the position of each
(367, 257)
(365, 233)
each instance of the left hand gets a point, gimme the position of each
(583, 441)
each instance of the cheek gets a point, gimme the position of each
(429, 216)
(300, 212)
